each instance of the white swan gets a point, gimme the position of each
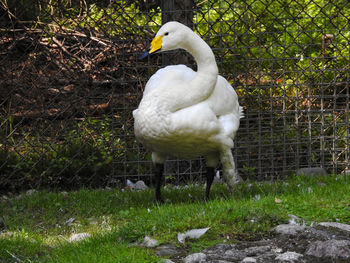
(187, 114)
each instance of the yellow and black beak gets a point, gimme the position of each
(156, 45)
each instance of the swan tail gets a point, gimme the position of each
(241, 113)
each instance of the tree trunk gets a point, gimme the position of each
(180, 11)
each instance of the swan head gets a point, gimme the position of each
(172, 35)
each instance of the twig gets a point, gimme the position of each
(84, 62)
(12, 255)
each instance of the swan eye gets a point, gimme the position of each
(167, 33)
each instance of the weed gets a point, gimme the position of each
(38, 226)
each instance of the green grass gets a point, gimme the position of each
(37, 226)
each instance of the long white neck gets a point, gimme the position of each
(203, 84)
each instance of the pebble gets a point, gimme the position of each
(31, 192)
(195, 258)
(140, 186)
(149, 242)
(312, 171)
(167, 250)
(249, 260)
(289, 256)
(289, 229)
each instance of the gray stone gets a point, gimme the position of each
(18, 197)
(289, 257)
(149, 242)
(289, 229)
(140, 186)
(254, 251)
(168, 261)
(219, 249)
(248, 260)
(293, 243)
(334, 249)
(224, 252)
(167, 250)
(339, 226)
(195, 258)
(31, 192)
(234, 254)
(312, 171)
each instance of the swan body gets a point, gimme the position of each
(187, 114)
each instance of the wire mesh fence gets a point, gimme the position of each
(70, 78)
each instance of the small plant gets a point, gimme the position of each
(84, 156)
(249, 172)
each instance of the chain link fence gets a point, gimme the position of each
(70, 78)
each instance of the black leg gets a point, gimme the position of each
(159, 168)
(210, 178)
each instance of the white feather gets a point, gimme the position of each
(187, 114)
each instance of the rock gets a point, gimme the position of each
(334, 249)
(248, 260)
(224, 253)
(18, 197)
(167, 261)
(289, 257)
(31, 192)
(219, 249)
(289, 229)
(167, 250)
(293, 243)
(149, 242)
(277, 250)
(254, 251)
(312, 171)
(234, 254)
(195, 258)
(79, 237)
(140, 186)
(339, 226)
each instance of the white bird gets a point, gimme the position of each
(188, 114)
